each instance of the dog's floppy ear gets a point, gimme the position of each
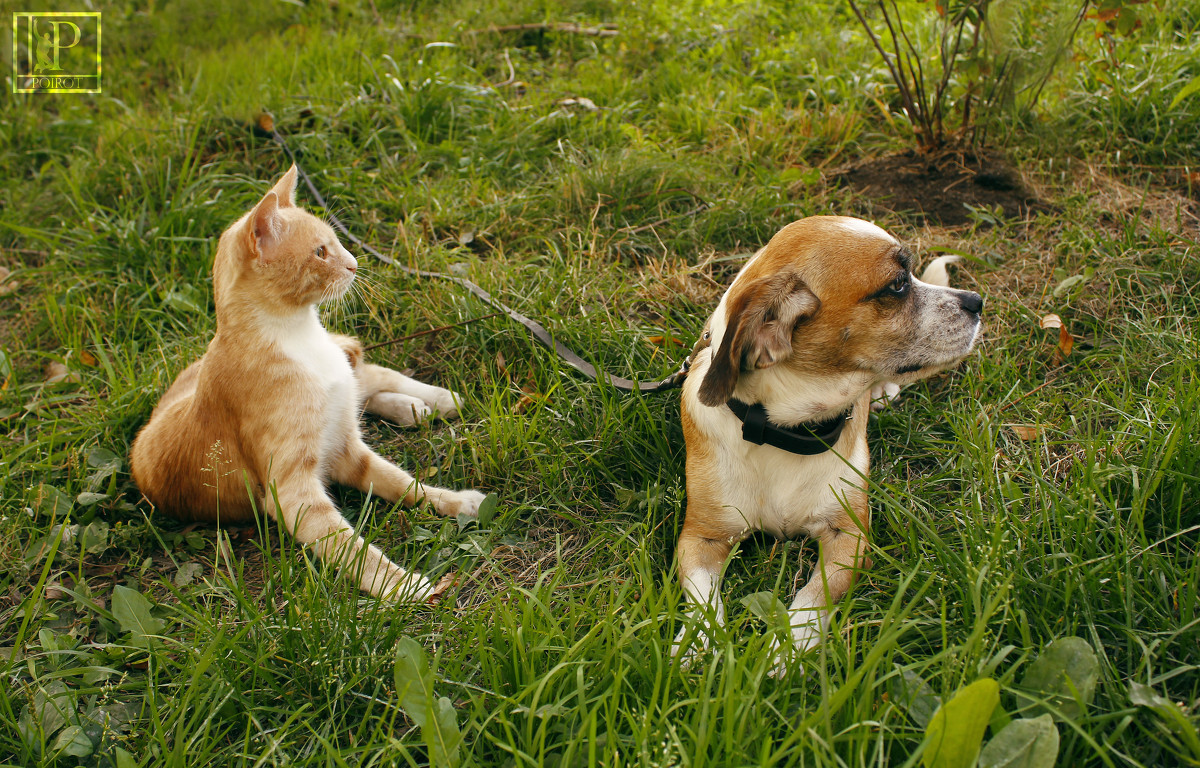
(759, 323)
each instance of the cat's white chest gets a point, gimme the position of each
(315, 352)
(324, 364)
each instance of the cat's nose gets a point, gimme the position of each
(352, 267)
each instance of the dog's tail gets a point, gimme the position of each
(936, 274)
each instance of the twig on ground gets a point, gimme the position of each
(429, 331)
(512, 73)
(30, 251)
(652, 225)
(1039, 387)
(604, 30)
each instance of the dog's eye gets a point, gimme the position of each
(900, 285)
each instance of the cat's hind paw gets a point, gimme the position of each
(399, 409)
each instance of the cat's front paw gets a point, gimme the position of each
(404, 586)
(455, 503)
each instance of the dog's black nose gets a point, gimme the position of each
(971, 302)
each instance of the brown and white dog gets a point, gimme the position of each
(828, 310)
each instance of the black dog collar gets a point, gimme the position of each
(805, 439)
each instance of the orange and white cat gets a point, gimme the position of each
(269, 415)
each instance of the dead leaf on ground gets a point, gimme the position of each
(448, 580)
(7, 286)
(1066, 342)
(266, 121)
(1027, 432)
(56, 373)
(428, 472)
(55, 590)
(530, 397)
(660, 341)
(88, 359)
(579, 101)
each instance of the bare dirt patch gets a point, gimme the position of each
(941, 188)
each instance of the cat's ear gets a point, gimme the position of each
(285, 188)
(265, 228)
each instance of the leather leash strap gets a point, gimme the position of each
(534, 328)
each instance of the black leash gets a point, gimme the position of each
(535, 328)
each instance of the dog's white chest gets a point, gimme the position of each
(800, 494)
(768, 489)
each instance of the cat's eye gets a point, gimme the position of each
(321, 252)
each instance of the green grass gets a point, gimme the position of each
(715, 123)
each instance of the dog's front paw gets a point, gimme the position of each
(400, 409)
(785, 658)
(805, 637)
(689, 651)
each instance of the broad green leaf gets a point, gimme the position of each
(1023, 743)
(449, 739)
(414, 680)
(955, 733)
(125, 759)
(53, 705)
(1187, 90)
(767, 608)
(72, 741)
(48, 640)
(436, 718)
(187, 573)
(132, 611)
(87, 499)
(94, 537)
(49, 501)
(1064, 677)
(1127, 19)
(487, 509)
(911, 691)
(1067, 284)
(103, 459)
(105, 463)
(186, 298)
(1171, 714)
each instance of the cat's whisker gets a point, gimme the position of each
(370, 291)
